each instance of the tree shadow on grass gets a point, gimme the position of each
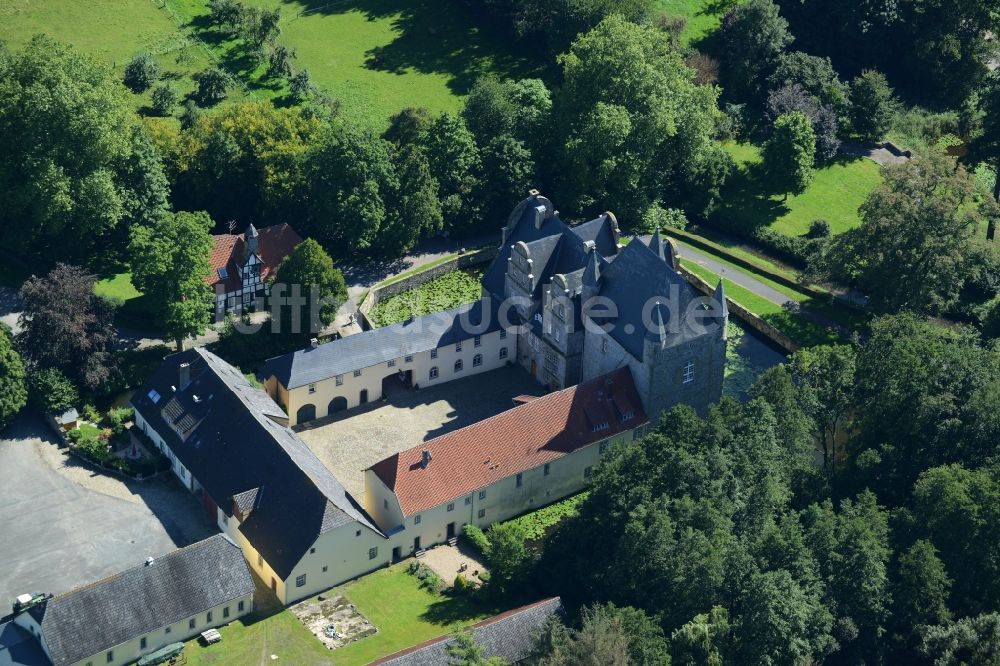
(746, 204)
(435, 37)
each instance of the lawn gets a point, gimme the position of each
(446, 292)
(837, 190)
(117, 288)
(703, 16)
(110, 30)
(376, 56)
(135, 310)
(403, 612)
(802, 331)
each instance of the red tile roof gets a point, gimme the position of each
(274, 243)
(519, 439)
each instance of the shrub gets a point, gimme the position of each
(657, 217)
(461, 585)
(164, 99)
(140, 73)
(117, 418)
(51, 391)
(476, 538)
(819, 229)
(91, 414)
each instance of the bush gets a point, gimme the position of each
(118, 417)
(140, 73)
(51, 391)
(657, 217)
(164, 99)
(476, 538)
(91, 414)
(461, 585)
(819, 229)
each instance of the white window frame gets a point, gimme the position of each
(688, 375)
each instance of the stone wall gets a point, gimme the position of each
(749, 318)
(378, 293)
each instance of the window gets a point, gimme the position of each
(520, 480)
(477, 341)
(110, 656)
(357, 533)
(191, 623)
(340, 380)
(168, 629)
(373, 552)
(142, 643)
(482, 494)
(392, 363)
(312, 388)
(533, 341)
(240, 606)
(545, 470)
(434, 353)
(324, 568)
(629, 415)
(458, 346)
(225, 611)
(604, 345)
(503, 352)
(300, 581)
(557, 334)
(588, 472)
(477, 360)
(154, 396)
(482, 513)
(357, 373)
(416, 520)
(385, 504)
(208, 617)
(597, 427)
(503, 333)
(458, 365)
(689, 373)
(468, 500)
(312, 551)
(434, 372)
(408, 359)
(260, 560)
(603, 446)
(451, 506)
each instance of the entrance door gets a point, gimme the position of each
(397, 554)
(451, 530)
(416, 543)
(274, 585)
(364, 396)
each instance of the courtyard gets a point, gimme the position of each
(355, 440)
(67, 525)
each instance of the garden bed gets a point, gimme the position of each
(448, 291)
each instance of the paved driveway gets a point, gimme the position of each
(357, 439)
(56, 533)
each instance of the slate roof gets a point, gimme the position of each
(636, 277)
(226, 433)
(563, 247)
(522, 438)
(274, 243)
(96, 617)
(377, 346)
(510, 635)
(19, 648)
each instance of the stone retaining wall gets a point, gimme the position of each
(377, 294)
(752, 320)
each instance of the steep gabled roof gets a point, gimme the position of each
(186, 582)
(514, 441)
(227, 434)
(274, 243)
(379, 345)
(510, 635)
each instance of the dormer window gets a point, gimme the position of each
(597, 427)
(223, 274)
(629, 415)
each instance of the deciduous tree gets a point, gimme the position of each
(789, 154)
(309, 267)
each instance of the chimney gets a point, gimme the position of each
(313, 342)
(425, 458)
(185, 376)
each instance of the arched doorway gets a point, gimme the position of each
(305, 413)
(338, 404)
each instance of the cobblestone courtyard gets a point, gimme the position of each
(350, 443)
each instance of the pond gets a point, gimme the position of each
(748, 355)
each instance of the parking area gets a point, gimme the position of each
(65, 525)
(355, 440)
